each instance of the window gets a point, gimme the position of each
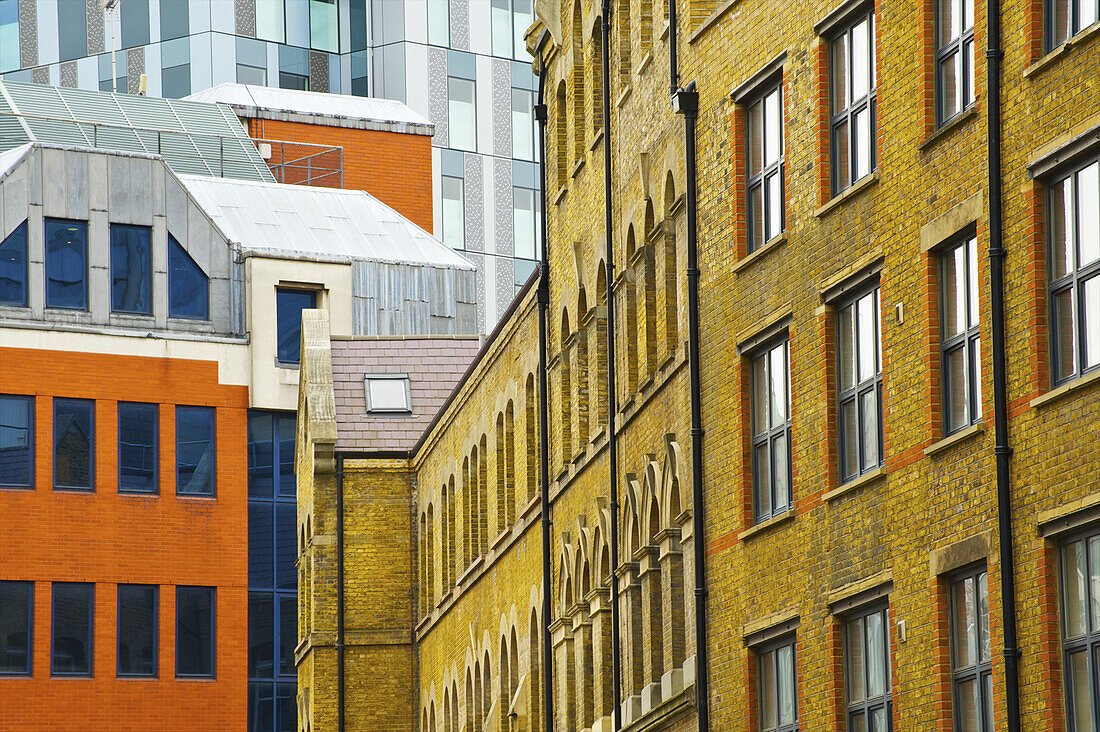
(771, 430)
(522, 20)
(502, 27)
(270, 20)
(137, 630)
(174, 19)
(867, 668)
(108, 83)
(1080, 589)
(1067, 18)
(853, 115)
(961, 360)
(9, 35)
(195, 631)
(137, 448)
(971, 668)
(765, 173)
(74, 444)
(135, 23)
(859, 387)
(16, 441)
(195, 454)
(954, 57)
(461, 115)
(71, 652)
(188, 287)
(66, 264)
(324, 28)
(72, 31)
(293, 68)
(454, 199)
(1075, 272)
(359, 75)
(777, 685)
(175, 63)
(13, 264)
(526, 206)
(131, 269)
(439, 22)
(387, 393)
(16, 625)
(289, 305)
(251, 61)
(524, 129)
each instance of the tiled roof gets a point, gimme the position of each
(434, 366)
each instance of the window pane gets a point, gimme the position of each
(773, 136)
(288, 479)
(850, 429)
(194, 631)
(784, 662)
(16, 441)
(1088, 210)
(861, 71)
(867, 330)
(1078, 683)
(462, 120)
(768, 692)
(323, 27)
(454, 213)
(1088, 14)
(1065, 328)
(856, 678)
(261, 545)
(781, 471)
(66, 264)
(756, 215)
(966, 697)
(859, 722)
(1091, 322)
(16, 602)
(840, 73)
(13, 264)
(756, 138)
(286, 545)
(773, 188)
(289, 305)
(187, 285)
(862, 124)
(388, 395)
(261, 455)
(763, 480)
(869, 407)
(71, 651)
(502, 27)
(195, 455)
(135, 23)
(9, 35)
(174, 20)
(777, 390)
(949, 90)
(876, 655)
(841, 163)
(983, 616)
(137, 630)
(73, 443)
(760, 395)
(963, 623)
(949, 21)
(522, 141)
(1073, 589)
(878, 720)
(972, 281)
(1094, 582)
(954, 292)
(439, 22)
(846, 345)
(261, 711)
(137, 448)
(955, 388)
(1061, 227)
(288, 634)
(261, 634)
(286, 713)
(523, 222)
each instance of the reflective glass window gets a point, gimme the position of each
(71, 647)
(777, 686)
(771, 431)
(195, 631)
(174, 19)
(195, 450)
(289, 305)
(16, 627)
(72, 31)
(270, 20)
(9, 35)
(461, 114)
(16, 441)
(135, 23)
(66, 264)
(131, 269)
(74, 444)
(188, 286)
(853, 105)
(137, 448)
(13, 267)
(137, 630)
(324, 29)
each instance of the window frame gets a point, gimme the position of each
(869, 101)
(83, 307)
(772, 83)
(91, 487)
(969, 339)
(29, 586)
(944, 50)
(859, 388)
(213, 632)
(1088, 641)
(403, 377)
(31, 402)
(90, 586)
(866, 706)
(147, 274)
(762, 651)
(280, 291)
(771, 433)
(155, 628)
(1050, 40)
(213, 414)
(156, 449)
(981, 671)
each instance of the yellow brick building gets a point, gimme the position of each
(849, 340)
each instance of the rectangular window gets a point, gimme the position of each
(13, 266)
(71, 652)
(175, 62)
(16, 626)
(867, 670)
(461, 114)
(174, 19)
(853, 113)
(777, 687)
(764, 122)
(74, 444)
(16, 441)
(137, 448)
(1080, 591)
(72, 31)
(271, 455)
(524, 129)
(270, 20)
(387, 393)
(251, 61)
(9, 35)
(188, 286)
(954, 57)
(439, 22)
(526, 208)
(454, 212)
(1067, 18)
(859, 385)
(195, 453)
(195, 631)
(771, 431)
(66, 264)
(502, 27)
(971, 668)
(293, 68)
(961, 361)
(521, 21)
(137, 630)
(131, 269)
(289, 305)
(1074, 225)
(135, 23)
(324, 29)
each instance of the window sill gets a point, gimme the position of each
(959, 120)
(853, 190)
(854, 485)
(17, 488)
(561, 195)
(1056, 395)
(1055, 54)
(951, 440)
(664, 31)
(645, 62)
(766, 525)
(197, 497)
(767, 247)
(577, 168)
(623, 97)
(596, 139)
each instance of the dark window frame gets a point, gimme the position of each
(314, 294)
(213, 415)
(969, 340)
(1050, 38)
(147, 274)
(156, 628)
(980, 672)
(91, 487)
(83, 307)
(771, 433)
(770, 649)
(29, 671)
(31, 401)
(866, 705)
(90, 652)
(859, 388)
(213, 632)
(847, 115)
(773, 83)
(945, 50)
(156, 449)
(20, 231)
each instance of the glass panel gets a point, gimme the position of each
(9, 36)
(759, 395)
(288, 479)
(16, 441)
(763, 480)
(286, 713)
(772, 187)
(856, 678)
(851, 437)
(187, 285)
(781, 472)
(846, 347)
(261, 635)
(522, 141)
(1087, 14)
(949, 85)
(71, 651)
(453, 213)
(137, 630)
(1091, 324)
(462, 119)
(289, 305)
(972, 282)
(862, 124)
(261, 711)
(1079, 701)
(773, 136)
(948, 27)
(1061, 227)
(859, 722)
(876, 655)
(784, 661)
(983, 617)
(16, 601)
(777, 389)
(137, 448)
(987, 687)
(174, 18)
(135, 24)
(194, 631)
(756, 138)
(1094, 582)
(1065, 329)
(1088, 210)
(502, 27)
(756, 215)
(261, 455)
(388, 395)
(524, 16)
(841, 163)
(195, 455)
(954, 292)
(963, 638)
(840, 73)
(878, 720)
(323, 26)
(866, 332)
(261, 545)
(768, 691)
(72, 27)
(73, 443)
(439, 23)
(955, 388)
(13, 264)
(861, 72)
(66, 264)
(968, 17)
(286, 545)
(288, 634)
(869, 407)
(1073, 589)
(270, 20)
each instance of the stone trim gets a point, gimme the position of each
(859, 593)
(961, 553)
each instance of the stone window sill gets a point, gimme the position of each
(959, 120)
(596, 139)
(766, 525)
(1055, 54)
(854, 485)
(561, 195)
(577, 168)
(954, 439)
(766, 248)
(853, 190)
(623, 97)
(1056, 395)
(645, 62)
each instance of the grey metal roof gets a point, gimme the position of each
(192, 137)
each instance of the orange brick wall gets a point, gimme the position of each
(394, 167)
(107, 538)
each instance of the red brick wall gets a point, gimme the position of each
(107, 538)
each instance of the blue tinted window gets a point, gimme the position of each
(289, 305)
(131, 269)
(72, 629)
(288, 479)
(271, 706)
(286, 545)
(261, 635)
(137, 630)
(137, 448)
(194, 631)
(188, 286)
(261, 455)
(135, 23)
(16, 603)
(72, 30)
(174, 21)
(74, 444)
(66, 264)
(9, 35)
(16, 441)
(13, 261)
(261, 545)
(195, 455)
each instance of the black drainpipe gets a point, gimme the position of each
(686, 102)
(1001, 450)
(340, 593)
(544, 412)
(673, 59)
(609, 298)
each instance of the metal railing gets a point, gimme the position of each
(303, 163)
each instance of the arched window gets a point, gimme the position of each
(648, 316)
(450, 532)
(597, 76)
(622, 18)
(630, 316)
(469, 503)
(534, 713)
(530, 428)
(668, 256)
(431, 558)
(482, 495)
(510, 463)
(500, 457)
(561, 138)
(565, 394)
(579, 97)
(600, 349)
(581, 370)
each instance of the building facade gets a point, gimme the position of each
(850, 505)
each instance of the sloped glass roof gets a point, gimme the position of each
(193, 137)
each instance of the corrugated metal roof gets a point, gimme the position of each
(334, 109)
(191, 136)
(326, 224)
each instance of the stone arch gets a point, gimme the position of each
(469, 503)
(534, 638)
(652, 490)
(577, 51)
(666, 258)
(449, 530)
(631, 520)
(472, 695)
(501, 464)
(486, 684)
(622, 17)
(565, 577)
(648, 295)
(423, 564)
(672, 497)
